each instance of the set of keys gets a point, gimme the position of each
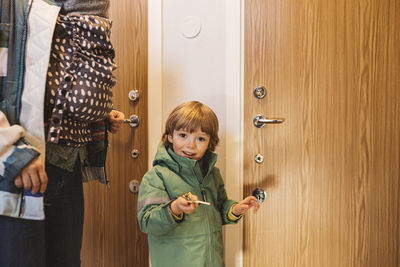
(258, 193)
(188, 197)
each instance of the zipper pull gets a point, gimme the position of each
(203, 193)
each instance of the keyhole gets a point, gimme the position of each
(259, 158)
(134, 186)
(259, 92)
(135, 153)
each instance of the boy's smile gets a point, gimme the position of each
(190, 145)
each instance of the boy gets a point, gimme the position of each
(180, 230)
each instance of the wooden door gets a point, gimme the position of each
(331, 170)
(111, 233)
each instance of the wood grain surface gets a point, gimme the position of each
(111, 234)
(331, 170)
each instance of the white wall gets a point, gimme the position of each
(194, 68)
(195, 54)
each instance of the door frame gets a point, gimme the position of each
(234, 90)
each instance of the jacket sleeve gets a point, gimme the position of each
(224, 203)
(15, 154)
(154, 214)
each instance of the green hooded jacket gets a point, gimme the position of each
(197, 239)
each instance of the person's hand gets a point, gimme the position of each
(33, 177)
(180, 205)
(116, 119)
(244, 205)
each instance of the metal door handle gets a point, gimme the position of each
(259, 121)
(133, 121)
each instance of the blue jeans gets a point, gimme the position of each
(55, 242)
(64, 209)
(21, 243)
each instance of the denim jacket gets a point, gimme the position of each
(25, 39)
(26, 30)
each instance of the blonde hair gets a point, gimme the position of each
(190, 116)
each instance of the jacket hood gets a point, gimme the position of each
(177, 163)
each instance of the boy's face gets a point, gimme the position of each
(190, 145)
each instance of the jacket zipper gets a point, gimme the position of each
(203, 193)
(204, 196)
(22, 66)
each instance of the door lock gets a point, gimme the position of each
(259, 92)
(133, 95)
(134, 186)
(259, 158)
(135, 153)
(259, 194)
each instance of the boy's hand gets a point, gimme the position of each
(116, 119)
(244, 205)
(180, 205)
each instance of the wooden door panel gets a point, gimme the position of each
(111, 233)
(331, 170)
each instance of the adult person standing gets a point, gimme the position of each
(56, 64)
